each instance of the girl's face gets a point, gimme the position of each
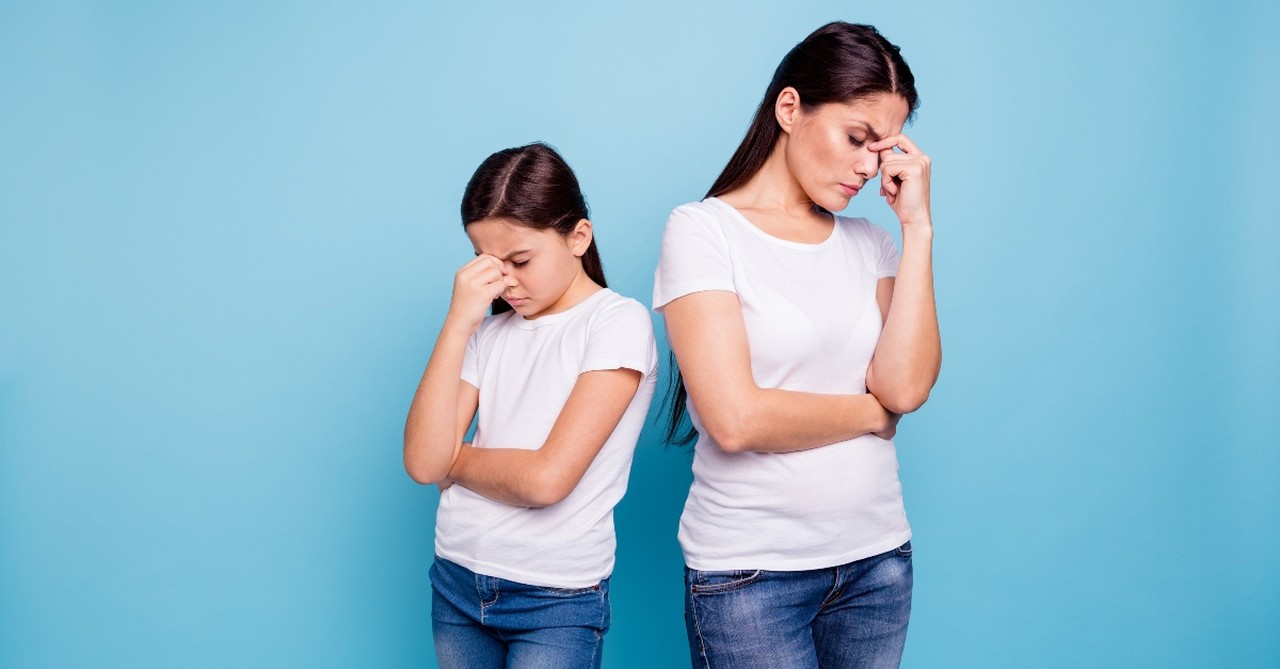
(539, 266)
(826, 149)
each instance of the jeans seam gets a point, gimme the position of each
(697, 627)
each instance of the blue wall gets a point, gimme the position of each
(228, 230)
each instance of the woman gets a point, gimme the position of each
(801, 337)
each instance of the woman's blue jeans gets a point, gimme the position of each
(483, 621)
(851, 615)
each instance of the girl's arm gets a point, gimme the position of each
(545, 476)
(908, 354)
(709, 338)
(444, 405)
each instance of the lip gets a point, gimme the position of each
(850, 190)
(516, 301)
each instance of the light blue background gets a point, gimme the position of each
(228, 235)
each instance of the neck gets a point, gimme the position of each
(581, 288)
(774, 187)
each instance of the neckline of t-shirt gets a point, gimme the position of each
(801, 246)
(551, 319)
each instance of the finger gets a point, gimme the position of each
(888, 180)
(493, 260)
(899, 140)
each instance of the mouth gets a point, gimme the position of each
(516, 301)
(850, 190)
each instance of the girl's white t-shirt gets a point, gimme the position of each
(525, 370)
(812, 324)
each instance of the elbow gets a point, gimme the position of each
(548, 487)
(903, 401)
(421, 473)
(730, 430)
(421, 467)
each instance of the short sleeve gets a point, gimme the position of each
(695, 256)
(621, 337)
(470, 364)
(886, 251)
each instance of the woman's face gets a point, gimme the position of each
(826, 149)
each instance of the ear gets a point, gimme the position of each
(786, 109)
(580, 237)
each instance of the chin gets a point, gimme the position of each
(834, 204)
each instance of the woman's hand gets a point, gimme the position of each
(904, 179)
(889, 432)
(475, 286)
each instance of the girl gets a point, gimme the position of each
(799, 350)
(562, 375)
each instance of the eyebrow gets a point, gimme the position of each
(871, 132)
(509, 255)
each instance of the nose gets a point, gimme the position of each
(508, 276)
(867, 164)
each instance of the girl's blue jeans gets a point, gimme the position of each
(851, 615)
(483, 621)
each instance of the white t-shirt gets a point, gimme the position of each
(525, 370)
(812, 324)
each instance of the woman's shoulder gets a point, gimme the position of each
(708, 211)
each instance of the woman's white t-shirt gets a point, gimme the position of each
(812, 323)
(525, 370)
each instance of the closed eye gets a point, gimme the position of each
(519, 263)
(858, 143)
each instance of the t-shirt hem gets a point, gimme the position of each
(677, 291)
(603, 364)
(774, 563)
(527, 578)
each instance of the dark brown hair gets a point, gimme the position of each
(533, 186)
(839, 62)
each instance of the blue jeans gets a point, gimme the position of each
(483, 621)
(852, 615)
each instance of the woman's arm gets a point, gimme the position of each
(545, 476)
(908, 354)
(709, 338)
(444, 405)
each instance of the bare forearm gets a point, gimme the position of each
(909, 352)
(431, 434)
(776, 421)
(508, 475)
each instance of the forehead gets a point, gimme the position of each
(501, 236)
(883, 113)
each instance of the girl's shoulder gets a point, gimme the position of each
(614, 304)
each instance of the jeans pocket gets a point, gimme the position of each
(904, 551)
(570, 592)
(712, 582)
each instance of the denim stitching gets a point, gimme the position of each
(837, 589)
(697, 628)
(730, 586)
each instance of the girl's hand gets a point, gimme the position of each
(904, 179)
(475, 286)
(446, 482)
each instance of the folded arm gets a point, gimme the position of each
(908, 354)
(545, 476)
(709, 338)
(442, 410)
